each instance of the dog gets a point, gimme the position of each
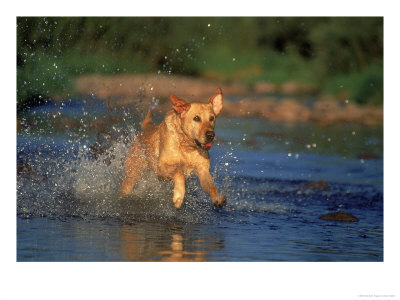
(176, 148)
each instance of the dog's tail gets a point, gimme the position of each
(147, 122)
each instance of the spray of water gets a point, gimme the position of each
(77, 173)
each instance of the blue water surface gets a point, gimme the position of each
(68, 207)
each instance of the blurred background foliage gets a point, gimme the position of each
(339, 56)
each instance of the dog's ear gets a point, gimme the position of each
(180, 105)
(216, 101)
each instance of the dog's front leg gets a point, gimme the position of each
(179, 189)
(208, 186)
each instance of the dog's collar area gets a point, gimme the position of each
(206, 146)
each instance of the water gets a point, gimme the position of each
(68, 207)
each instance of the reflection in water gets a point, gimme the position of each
(177, 253)
(179, 245)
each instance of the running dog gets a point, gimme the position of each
(176, 147)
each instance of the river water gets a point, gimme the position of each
(68, 207)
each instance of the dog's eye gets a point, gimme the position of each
(197, 119)
(212, 118)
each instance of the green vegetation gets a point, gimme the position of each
(338, 56)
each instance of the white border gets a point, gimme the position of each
(198, 280)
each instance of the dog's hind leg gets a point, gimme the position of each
(134, 165)
(179, 189)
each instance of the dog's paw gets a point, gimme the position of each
(177, 202)
(123, 194)
(219, 201)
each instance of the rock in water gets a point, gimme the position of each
(339, 216)
(318, 185)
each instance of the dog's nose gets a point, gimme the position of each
(210, 135)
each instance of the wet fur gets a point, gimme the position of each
(176, 147)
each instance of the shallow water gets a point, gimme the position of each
(68, 207)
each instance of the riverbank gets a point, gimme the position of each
(284, 102)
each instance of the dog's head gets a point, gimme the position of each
(198, 119)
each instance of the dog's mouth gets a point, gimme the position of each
(206, 146)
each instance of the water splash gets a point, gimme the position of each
(69, 179)
(75, 169)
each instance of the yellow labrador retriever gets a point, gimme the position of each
(177, 147)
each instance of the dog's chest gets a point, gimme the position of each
(184, 161)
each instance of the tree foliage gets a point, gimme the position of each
(320, 50)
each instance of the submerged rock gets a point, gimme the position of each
(339, 216)
(368, 155)
(317, 185)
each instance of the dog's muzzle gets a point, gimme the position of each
(210, 135)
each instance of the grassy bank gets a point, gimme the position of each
(341, 57)
(55, 77)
